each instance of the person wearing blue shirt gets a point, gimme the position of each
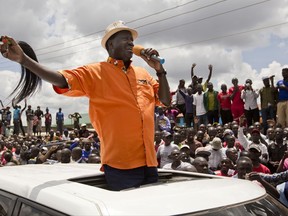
(162, 122)
(60, 121)
(16, 119)
(87, 150)
(189, 117)
(282, 105)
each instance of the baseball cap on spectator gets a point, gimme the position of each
(44, 148)
(216, 143)
(166, 134)
(200, 78)
(255, 146)
(202, 151)
(255, 131)
(83, 125)
(228, 132)
(185, 146)
(195, 77)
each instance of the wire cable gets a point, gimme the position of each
(131, 21)
(170, 28)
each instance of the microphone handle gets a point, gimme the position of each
(156, 58)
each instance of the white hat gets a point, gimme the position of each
(83, 125)
(216, 143)
(255, 146)
(114, 28)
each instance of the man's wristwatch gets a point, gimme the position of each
(161, 73)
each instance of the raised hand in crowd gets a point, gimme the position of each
(242, 120)
(210, 67)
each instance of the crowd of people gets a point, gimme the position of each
(223, 133)
(79, 146)
(34, 119)
(240, 146)
(34, 145)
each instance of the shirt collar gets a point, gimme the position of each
(118, 63)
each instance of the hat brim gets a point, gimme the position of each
(114, 31)
(216, 146)
(207, 153)
(258, 150)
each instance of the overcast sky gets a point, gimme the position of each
(240, 38)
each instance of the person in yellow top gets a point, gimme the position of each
(211, 104)
(122, 99)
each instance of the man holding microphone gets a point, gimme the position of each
(116, 90)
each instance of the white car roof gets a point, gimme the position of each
(48, 185)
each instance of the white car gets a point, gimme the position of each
(80, 189)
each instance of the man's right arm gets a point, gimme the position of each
(15, 53)
(44, 73)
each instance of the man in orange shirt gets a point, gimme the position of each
(122, 98)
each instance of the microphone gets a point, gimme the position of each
(139, 50)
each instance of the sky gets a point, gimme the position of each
(240, 38)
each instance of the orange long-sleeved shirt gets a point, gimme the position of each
(121, 109)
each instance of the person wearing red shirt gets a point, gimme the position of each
(255, 153)
(237, 106)
(226, 168)
(225, 105)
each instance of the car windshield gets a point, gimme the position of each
(267, 206)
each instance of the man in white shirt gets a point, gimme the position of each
(199, 108)
(177, 164)
(270, 136)
(217, 153)
(251, 110)
(165, 150)
(255, 136)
